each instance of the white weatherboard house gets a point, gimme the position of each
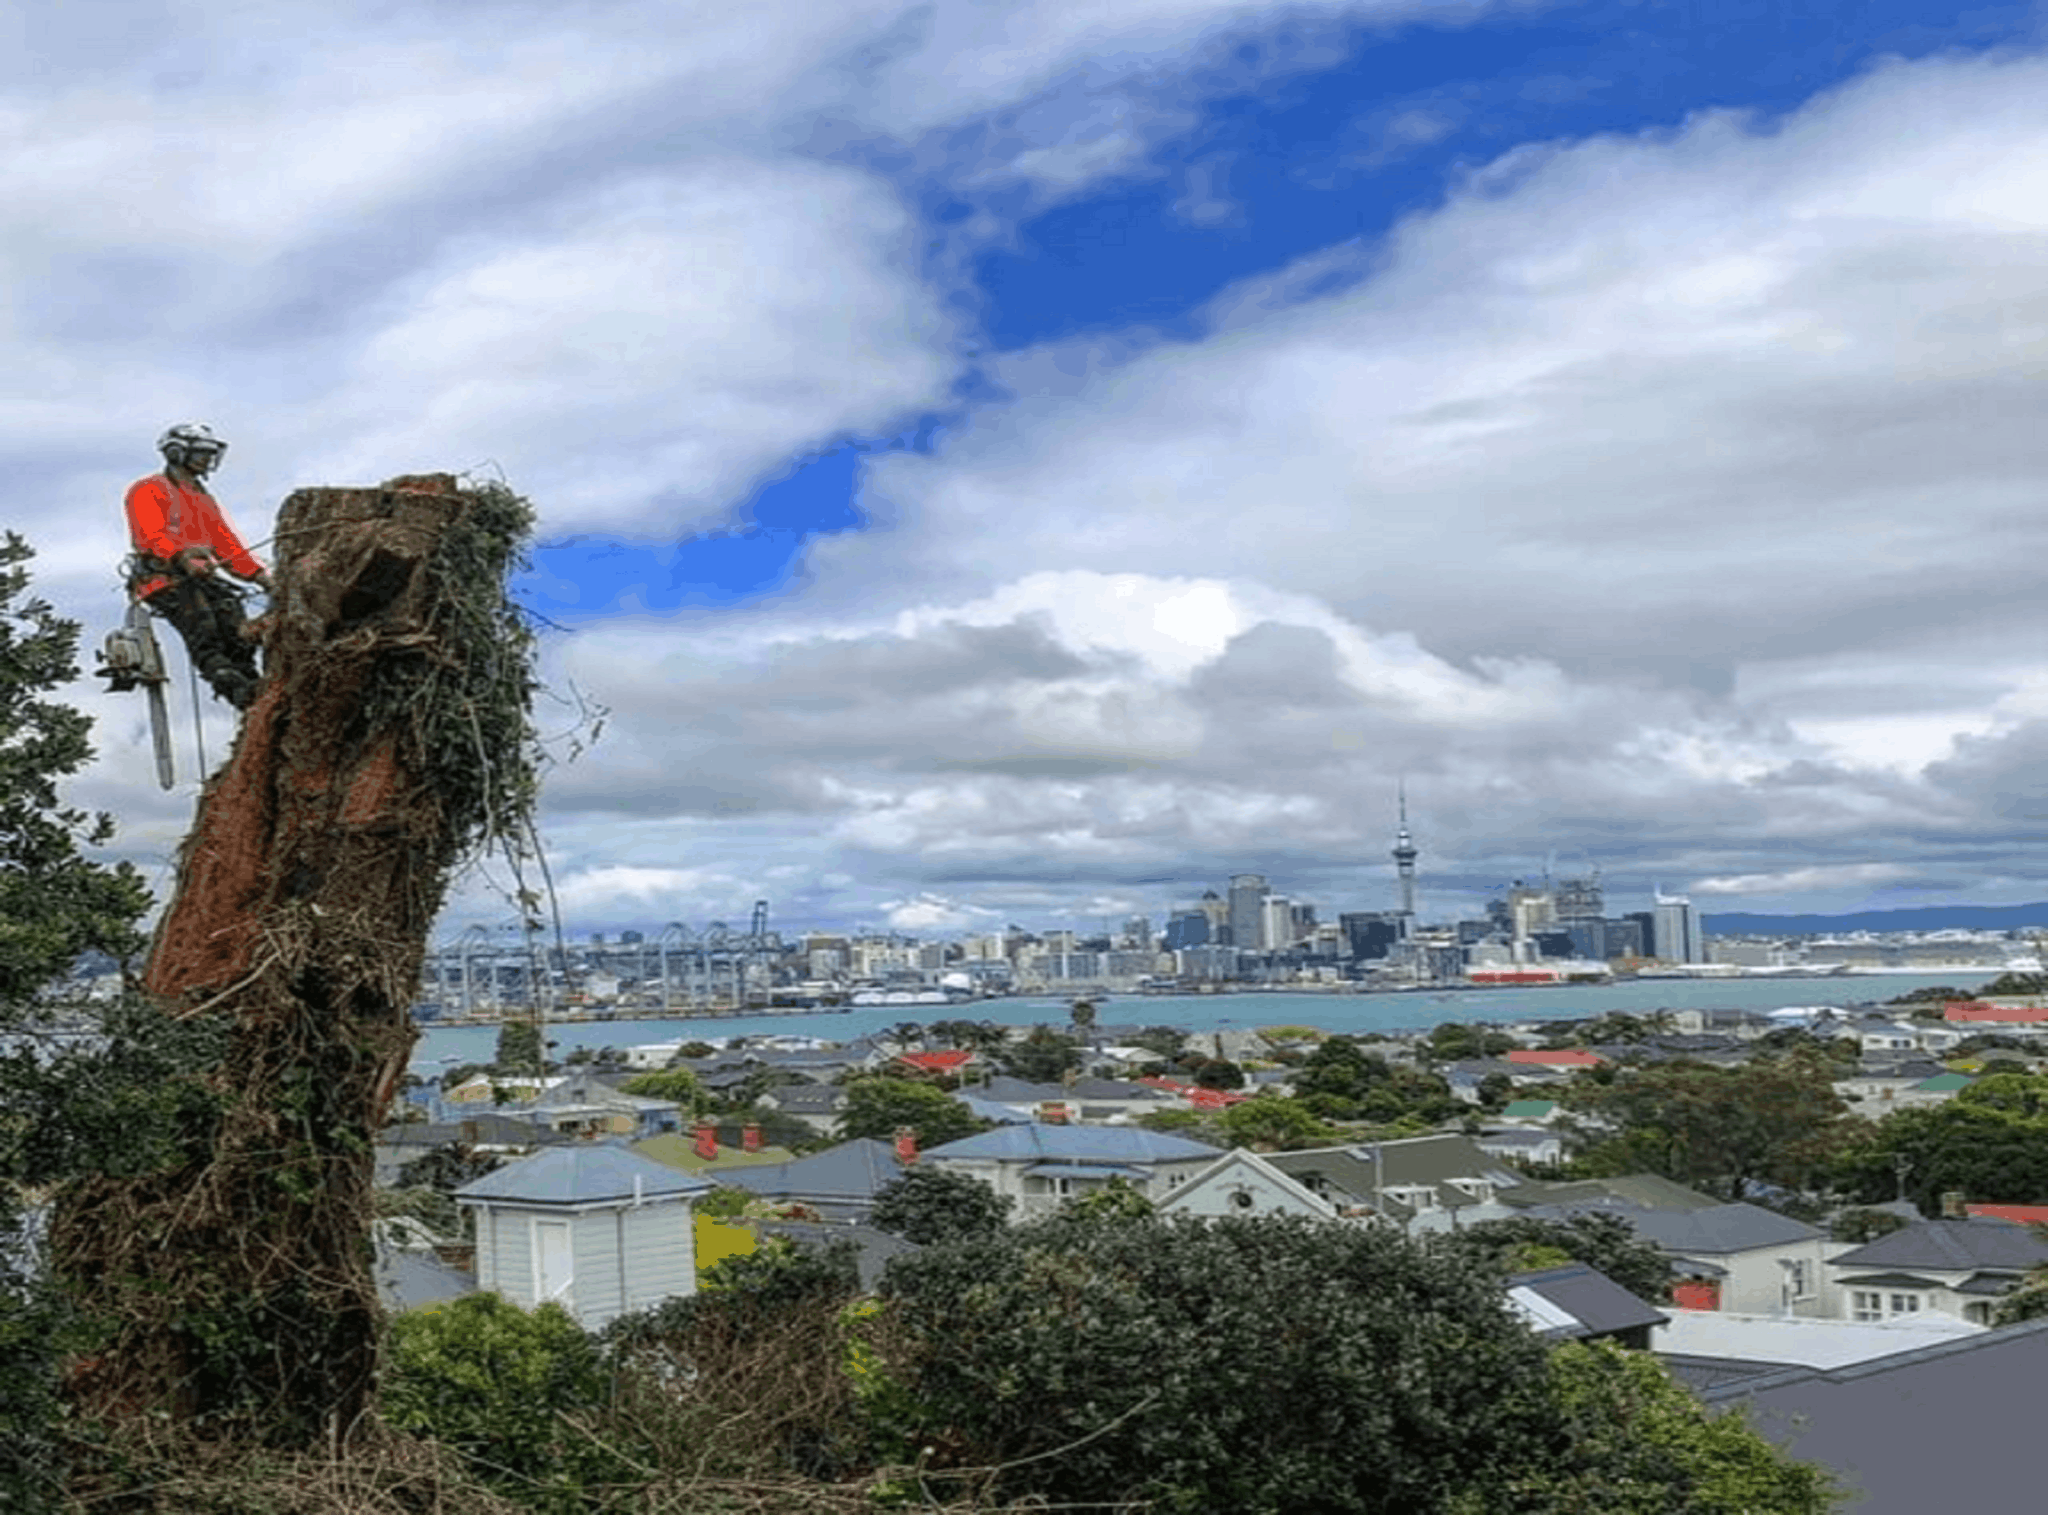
(594, 1227)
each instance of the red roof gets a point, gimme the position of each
(1957, 1011)
(936, 1062)
(1195, 1094)
(2024, 1215)
(1542, 1057)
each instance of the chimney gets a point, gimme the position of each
(707, 1140)
(906, 1145)
(1952, 1205)
(750, 1137)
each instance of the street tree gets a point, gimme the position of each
(1042, 1056)
(1723, 1129)
(878, 1107)
(678, 1085)
(929, 1205)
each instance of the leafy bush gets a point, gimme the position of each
(496, 1383)
(1272, 1366)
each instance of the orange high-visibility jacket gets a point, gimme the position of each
(165, 518)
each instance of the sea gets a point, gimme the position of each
(441, 1047)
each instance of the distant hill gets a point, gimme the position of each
(1927, 918)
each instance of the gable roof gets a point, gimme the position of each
(1107, 1144)
(1716, 1230)
(1951, 1246)
(586, 1173)
(850, 1173)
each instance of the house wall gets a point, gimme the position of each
(1755, 1282)
(1245, 1191)
(622, 1257)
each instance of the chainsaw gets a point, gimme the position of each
(131, 657)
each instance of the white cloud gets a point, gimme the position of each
(1798, 881)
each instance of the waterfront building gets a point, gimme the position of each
(1678, 938)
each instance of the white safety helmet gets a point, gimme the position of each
(191, 443)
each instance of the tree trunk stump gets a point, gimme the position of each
(319, 857)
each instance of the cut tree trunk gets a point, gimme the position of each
(241, 1276)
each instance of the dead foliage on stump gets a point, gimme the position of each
(391, 737)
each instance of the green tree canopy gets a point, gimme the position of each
(1601, 1241)
(928, 1205)
(677, 1084)
(1273, 1123)
(56, 902)
(1287, 1367)
(1043, 1056)
(876, 1107)
(1986, 1148)
(1771, 1120)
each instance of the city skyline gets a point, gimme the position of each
(1016, 460)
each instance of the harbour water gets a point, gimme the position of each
(443, 1046)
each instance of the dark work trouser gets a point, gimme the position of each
(208, 615)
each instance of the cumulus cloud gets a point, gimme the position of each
(1805, 880)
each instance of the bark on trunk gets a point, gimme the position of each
(319, 857)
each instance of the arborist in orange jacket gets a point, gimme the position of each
(183, 542)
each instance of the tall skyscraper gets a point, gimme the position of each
(1405, 854)
(1678, 935)
(1248, 893)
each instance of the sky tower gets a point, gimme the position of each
(1404, 864)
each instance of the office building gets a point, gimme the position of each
(1248, 893)
(1678, 936)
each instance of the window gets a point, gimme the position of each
(1905, 1304)
(1875, 1305)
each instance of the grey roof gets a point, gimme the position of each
(490, 1128)
(407, 1280)
(1917, 1431)
(583, 1173)
(1596, 1304)
(1109, 1144)
(1951, 1246)
(991, 1110)
(807, 1099)
(1648, 1190)
(584, 1088)
(873, 1250)
(1890, 1281)
(1717, 1230)
(1364, 1172)
(849, 1174)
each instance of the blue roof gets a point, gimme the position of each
(586, 1173)
(1101, 1144)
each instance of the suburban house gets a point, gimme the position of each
(1957, 1266)
(1100, 1100)
(838, 1184)
(486, 1133)
(583, 1104)
(1042, 1166)
(1242, 1182)
(1526, 1144)
(818, 1106)
(1737, 1257)
(594, 1227)
(1423, 1183)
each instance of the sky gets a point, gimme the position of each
(1028, 460)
